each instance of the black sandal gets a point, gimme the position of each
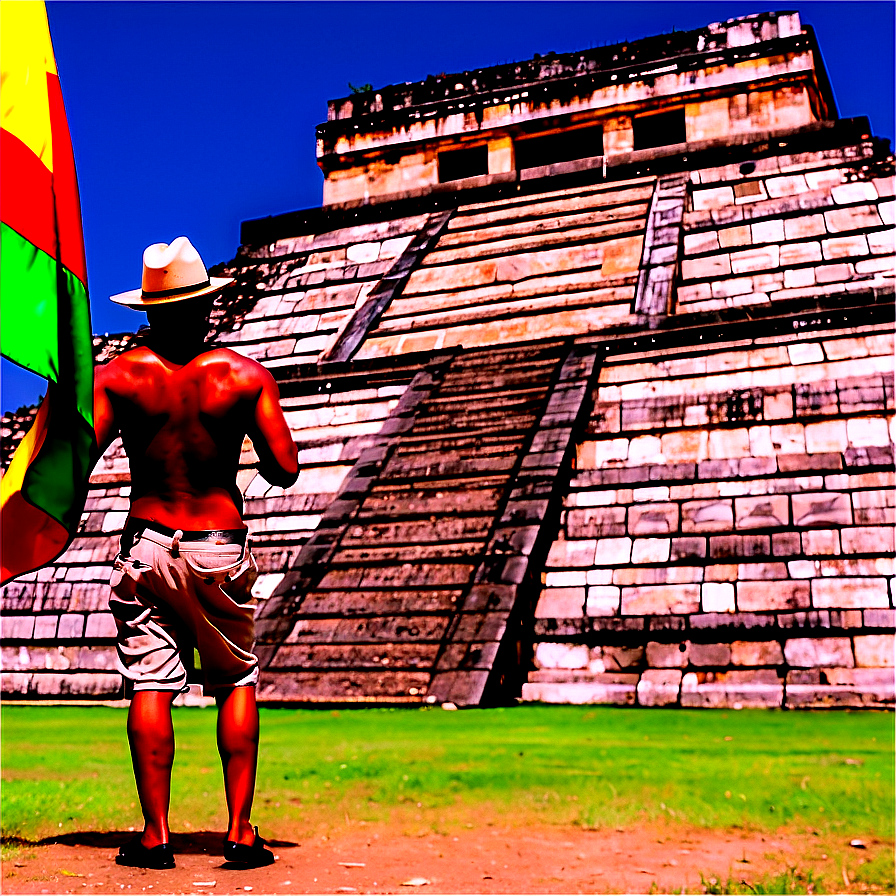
(254, 856)
(135, 855)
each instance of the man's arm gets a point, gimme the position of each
(278, 456)
(104, 425)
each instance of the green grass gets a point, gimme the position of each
(68, 768)
(788, 882)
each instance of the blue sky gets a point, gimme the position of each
(191, 117)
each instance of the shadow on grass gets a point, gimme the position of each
(197, 843)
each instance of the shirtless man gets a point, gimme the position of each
(183, 577)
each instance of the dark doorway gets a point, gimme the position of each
(582, 143)
(457, 164)
(662, 129)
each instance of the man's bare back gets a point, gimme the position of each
(182, 423)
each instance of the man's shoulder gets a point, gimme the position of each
(218, 354)
(128, 360)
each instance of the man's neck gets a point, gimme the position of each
(175, 349)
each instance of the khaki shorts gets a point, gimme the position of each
(170, 596)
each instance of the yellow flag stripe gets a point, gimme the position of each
(26, 56)
(11, 483)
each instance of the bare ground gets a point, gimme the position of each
(369, 858)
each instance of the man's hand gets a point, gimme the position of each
(278, 456)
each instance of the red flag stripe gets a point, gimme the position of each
(27, 187)
(65, 183)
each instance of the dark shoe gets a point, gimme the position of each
(254, 856)
(136, 855)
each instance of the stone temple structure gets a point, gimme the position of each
(589, 359)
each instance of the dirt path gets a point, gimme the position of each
(380, 859)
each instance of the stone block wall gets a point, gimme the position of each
(784, 228)
(294, 296)
(725, 502)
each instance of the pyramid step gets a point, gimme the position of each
(416, 655)
(359, 630)
(388, 602)
(411, 553)
(405, 575)
(445, 529)
(414, 441)
(349, 686)
(430, 565)
(428, 498)
(486, 422)
(435, 466)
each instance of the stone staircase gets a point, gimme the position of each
(417, 584)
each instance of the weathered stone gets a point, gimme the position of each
(879, 618)
(561, 603)
(763, 571)
(753, 596)
(595, 522)
(612, 551)
(709, 654)
(786, 544)
(845, 592)
(818, 652)
(660, 599)
(859, 217)
(602, 600)
(702, 516)
(822, 508)
(100, 625)
(756, 653)
(650, 550)
(622, 694)
(687, 548)
(724, 546)
(858, 692)
(874, 651)
(578, 552)
(659, 687)
(651, 519)
(45, 627)
(821, 541)
(846, 618)
(757, 689)
(717, 597)
(760, 513)
(867, 539)
(561, 656)
(867, 431)
(71, 625)
(621, 658)
(668, 656)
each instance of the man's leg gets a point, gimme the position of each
(238, 746)
(151, 736)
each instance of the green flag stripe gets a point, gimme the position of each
(57, 479)
(46, 320)
(29, 309)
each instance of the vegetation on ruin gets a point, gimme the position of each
(827, 775)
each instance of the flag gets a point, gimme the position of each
(43, 290)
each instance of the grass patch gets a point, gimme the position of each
(787, 883)
(68, 769)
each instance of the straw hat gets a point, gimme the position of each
(171, 273)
